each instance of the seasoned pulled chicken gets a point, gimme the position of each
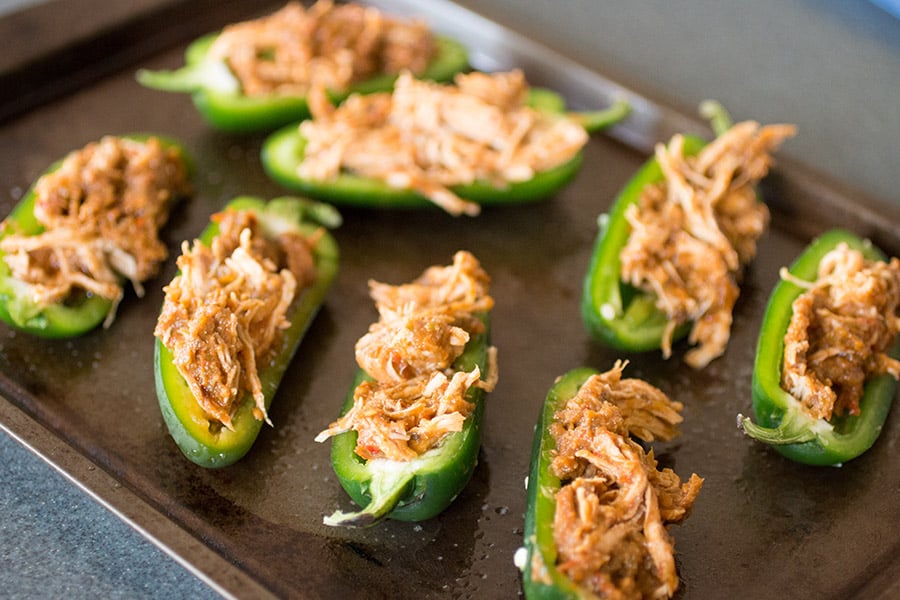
(693, 233)
(101, 211)
(328, 45)
(614, 506)
(416, 396)
(224, 312)
(429, 137)
(841, 329)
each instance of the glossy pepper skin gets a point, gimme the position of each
(422, 488)
(283, 151)
(207, 443)
(217, 94)
(540, 578)
(76, 316)
(779, 419)
(614, 312)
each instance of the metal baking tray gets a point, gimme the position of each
(761, 525)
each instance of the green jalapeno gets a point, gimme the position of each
(78, 313)
(614, 312)
(204, 440)
(421, 488)
(218, 97)
(584, 509)
(540, 578)
(283, 151)
(781, 421)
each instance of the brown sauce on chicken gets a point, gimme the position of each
(224, 312)
(416, 395)
(693, 234)
(841, 329)
(615, 505)
(327, 45)
(101, 211)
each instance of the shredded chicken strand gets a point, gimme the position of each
(614, 506)
(692, 234)
(328, 45)
(416, 396)
(428, 137)
(224, 313)
(841, 329)
(101, 212)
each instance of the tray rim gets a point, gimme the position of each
(230, 581)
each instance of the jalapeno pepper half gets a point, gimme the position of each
(423, 487)
(614, 312)
(780, 419)
(540, 557)
(217, 94)
(78, 314)
(203, 441)
(283, 151)
(540, 578)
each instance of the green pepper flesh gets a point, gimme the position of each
(207, 443)
(422, 488)
(77, 315)
(780, 419)
(216, 93)
(614, 312)
(283, 151)
(541, 579)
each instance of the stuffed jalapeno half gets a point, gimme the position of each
(408, 437)
(233, 316)
(827, 357)
(671, 252)
(599, 508)
(485, 139)
(89, 225)
(256, 75)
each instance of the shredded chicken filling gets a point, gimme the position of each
(428, 137)
(224, 313)
(841, 329)
(614, 506)
(693, 233)
(417, 396)
(327, 45)
(101, 212)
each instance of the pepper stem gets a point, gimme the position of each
(595, 120)
(717, 115)
(208, 74)
(390, 482)
(794, 429)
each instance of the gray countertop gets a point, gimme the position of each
(832, 67)
(57, 542)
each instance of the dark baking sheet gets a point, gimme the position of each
(761, 526)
